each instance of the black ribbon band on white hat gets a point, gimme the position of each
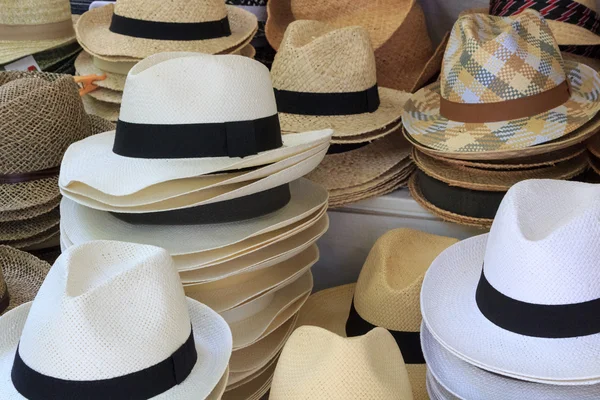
(409, 342)
(5, 298)
(158, 30)
(226, 139)
(241, 208)
(349, 103)
(537, 320)
(140, 385)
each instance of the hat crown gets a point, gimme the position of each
(542, 246)
(304, 62)
(318, 364)
(194, 88)
(31, 12)
(106, 309)
(182, 11)
(31, 140)
(389, 285)
(493, 59)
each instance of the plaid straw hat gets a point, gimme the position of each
(386, 295)
(504, 86)
(396, 29)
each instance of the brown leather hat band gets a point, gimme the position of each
(30, 176)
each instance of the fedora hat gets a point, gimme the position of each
(315, 90)
(501, 89)
(396, 29)
(158, 332)
(21, 275)
(138, 28)
(525, 317)
(318, 364)
(386, 295)
(253, 389)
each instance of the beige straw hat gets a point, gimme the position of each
(21, 275)
(140, 28)
(30, 26)
(386, 295)
(107, 95)
(318, 364)
(108, 111)
(85, 65)
(237, 379)
(316, 90)
(24, 229)
(254, 389)
(396, 29)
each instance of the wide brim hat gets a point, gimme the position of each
(25, 229)
(107, 111)
(95, 36)
(255, 388)
(107, 95)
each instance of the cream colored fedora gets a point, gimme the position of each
(386, 295)
(253, 389)
(315, 90)
(318, 364)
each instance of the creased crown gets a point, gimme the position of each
(317, 58)
(172, 10)
(106, 309)
(543, 244)
(33, 12)
(492, 59)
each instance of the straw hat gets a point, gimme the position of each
(318, 364)
(21, 275)
(253, 389)
(18, 230)
(53, 59)
(396, 27)
(536, 96)
(108, 295)
(387, 284)
(28, 27)
(315, 90)
(521, 303)
(138, 28)
(108, 111)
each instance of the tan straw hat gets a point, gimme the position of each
(31, 26)
(21, 275)
(108, 111)
(501, 89)
(140, 28)
(318, 364)
(316, 90)
(253, 389)
(396, 29)
(386, 295)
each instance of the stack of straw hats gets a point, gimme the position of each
(507, 108)
(386, 295)
(315, 91)
(513, 314)
(32, 144)
(593, 147)
(199, 167)
(116, 36)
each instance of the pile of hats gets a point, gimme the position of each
(507, 108)
(316, 91)
(32, 144)
(199, 167)
(513, 314)
(593, 146)
(116, 36)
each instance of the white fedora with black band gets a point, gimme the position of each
(111, 321)
(522, 301)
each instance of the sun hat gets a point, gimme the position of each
(21, 275)
(318, 364)
(49, 60)
(386, 295)
(237, 379)
(126, 288)
(315, 91)
(108, 111)
(502, 89)
(522, 322)
(251, 378)
(254, 389)
(28, 228)
(462, 380)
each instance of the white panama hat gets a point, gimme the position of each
(532, 313)
(111, 321)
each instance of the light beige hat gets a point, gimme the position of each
(140, 28)
(318, 364)
(28, 27)
(237, 379)
(107, 95)
(25, 229)
(315, 90)
(108, 111)
(253, 389)
(386, 295)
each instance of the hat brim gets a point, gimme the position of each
(108, 111)
(95, 36)
(424, 123)
(107, 95)
(25, 229)
(451, 313)
(41, 240)
(211, 336)
(84, 65)
(255, 388)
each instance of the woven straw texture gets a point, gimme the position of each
(396, 28)
(84, 65)
(108, 111)
(304, 64)
(107, 95)
(19, 230)
(493, 59)
(593, 146)
(94, 35)
(23, 274)
(30, 212)
(433, 67)
(399, 171)
(255, 389)
(247, 378)
(37, 241)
